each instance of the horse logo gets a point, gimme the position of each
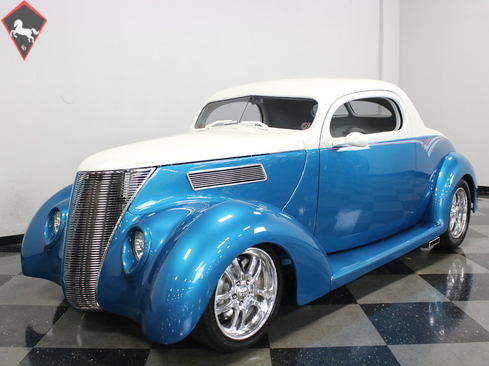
(18, 29)
(24, 24)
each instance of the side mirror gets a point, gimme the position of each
(357, 139)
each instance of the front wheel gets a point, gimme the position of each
(459, 218)
(244, 303)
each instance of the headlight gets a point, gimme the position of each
(136, 249)
(138, 243)
(53, 227)
(56, 221)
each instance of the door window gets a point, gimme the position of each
(369, 115)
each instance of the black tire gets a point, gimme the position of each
(459, 217)
(232, 320)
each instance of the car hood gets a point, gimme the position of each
(215, 143)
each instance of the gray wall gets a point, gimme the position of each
(106, 73)
(444, 68)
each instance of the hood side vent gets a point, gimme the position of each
(226, 176)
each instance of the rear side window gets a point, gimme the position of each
(369, 115)
(367, 108)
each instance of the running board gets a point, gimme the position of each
(353, 263)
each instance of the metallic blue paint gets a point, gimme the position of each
(41, 256)
(169, 184)
(303, 202)
(365, 194)
(430, 154)
(192, 245)
(454, 168)
(192, 236)
(351, 264)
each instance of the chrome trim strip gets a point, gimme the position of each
(222, 177)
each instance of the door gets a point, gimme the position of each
(366, 185)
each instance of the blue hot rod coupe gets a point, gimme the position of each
(190, 234)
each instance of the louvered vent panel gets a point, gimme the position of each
(98, 201)
(226, 177)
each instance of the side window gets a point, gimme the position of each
(229, 111)
(370, 115)
(341, 112)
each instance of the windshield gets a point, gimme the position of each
(288, 113)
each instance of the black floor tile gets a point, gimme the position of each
(25, 325)
(460, 287)
(334, 356)
(187, 343)
(394, 267)
(82, 357)
(424, 323)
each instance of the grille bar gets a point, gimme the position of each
(99, 199)
(227, 176)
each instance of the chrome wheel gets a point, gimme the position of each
(246, 294)
(458, 218)
(458, 213)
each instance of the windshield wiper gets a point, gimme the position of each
(222, 122)
(227, 122)
(258, 124)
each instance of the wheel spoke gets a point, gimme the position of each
(254, 303)
(257, 272)
(266, 294)
(224, 308)
(223, 297)
(236, 321)
(229, 274)
(235, 269)
(252, 266)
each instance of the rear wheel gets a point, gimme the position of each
(459, 217)
(244, 303)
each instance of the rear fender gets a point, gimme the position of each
(185, 282)
(454, 168)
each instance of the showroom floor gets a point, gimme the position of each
(427, 308)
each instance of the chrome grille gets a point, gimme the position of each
(227, 176)
(98, 201)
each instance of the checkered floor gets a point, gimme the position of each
(426, 308)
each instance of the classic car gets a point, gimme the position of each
(190, 234)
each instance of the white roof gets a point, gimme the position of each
(325, 91)
(318, 89)
(236, 141)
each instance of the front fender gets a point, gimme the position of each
(41, 256)
(185, 282)
(454, 168)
